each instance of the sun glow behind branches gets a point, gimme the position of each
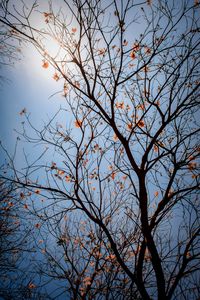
(48, 49)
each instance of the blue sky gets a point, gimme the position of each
(28, 86)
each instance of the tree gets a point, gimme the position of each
(126, 166)
(16, 245)
(10, 47)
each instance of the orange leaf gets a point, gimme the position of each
(147, 50)
(146, 69)
(156, 194)
(56, 77)
(102, 51)
(194, 176)
(141, 123)
(68, 178)
(141, 106)
(61, 172)
(31, 286)
(192, 165)
(132, 55)
(77, 84)
(65, 89)
(136, 46)
(120, 105)
(45, 64)
(115, 138)
(188, 255)
(46, 15)
(78, 123)
(74, 29)
(113, 175)
(155, 148)
(129, 126)
(22, 195)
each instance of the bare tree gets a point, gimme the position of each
(126, 165)
(10, 47)
(16, 247)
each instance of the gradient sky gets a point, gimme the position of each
(30, 87)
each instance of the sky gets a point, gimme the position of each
(28, 86)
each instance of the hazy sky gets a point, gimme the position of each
(30, 87)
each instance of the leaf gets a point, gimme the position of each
(113, 174)
(87, 280)
(78, 123)
(120, 105)
(102, 51)
(194, 176)
(23, 111)
(156, 193)
(171, 191)
(46, 15)
(125, 43)
(61, 172)
(31, 285)
(141, 123)
(136, 46)
(115, 138)
(68, 178)
(53, 166)
(77, 84)
(74, 29)
(188, 254)
(132, 55)
(146, 69)
(155, 148)
(45, 64)
(56, 77)
(141, 106)
(192, 166)
(65, 89)
(147, 50)
(129, 126)
(22, 196)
